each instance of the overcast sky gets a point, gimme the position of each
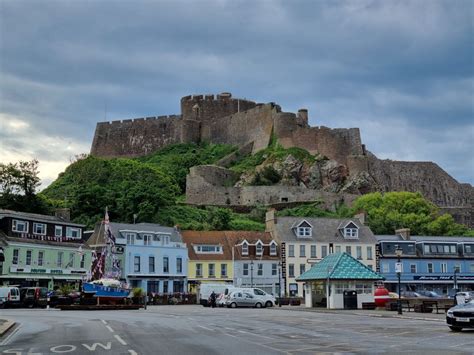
(401, 71)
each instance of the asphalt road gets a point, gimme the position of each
(198, 330)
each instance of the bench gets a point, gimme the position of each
(406, 305)
(368, 305)
(428, 306)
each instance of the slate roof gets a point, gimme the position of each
(4, 239)
(37, 217)
(424, 238)
(324, 230)
(339, 266)
(97, 238)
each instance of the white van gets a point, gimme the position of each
(267, 299)
(206, 289)
(9, 296)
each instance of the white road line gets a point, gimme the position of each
(103, 321)
(120, 340)
(203, 327)
(8, 338)
(109, 328)
(133, 352)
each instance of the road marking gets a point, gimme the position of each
(109, 328)
(203, 327)
(69, 348)
(103, 321)
(8, 338)
(133, 352)
(120, 340)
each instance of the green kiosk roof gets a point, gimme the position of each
(339, 266)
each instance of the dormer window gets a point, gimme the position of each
(245, 248)
(273, 248)
(259, 248)
(20, 226)
(130, 238)
(208, 249)
(351, 231)
(304, 230)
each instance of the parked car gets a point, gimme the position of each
(56, 298)
(206, 290)
(461, 316)
(464, 297)
(267, 300)
(243, 299)
(430, 294)
(34, 297)
(9, 296)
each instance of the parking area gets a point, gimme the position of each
(195, 329)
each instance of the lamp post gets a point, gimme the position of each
(455, 285)
(279, 284)
(398, 270)
(251, 273)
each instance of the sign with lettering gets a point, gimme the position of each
(444, 278)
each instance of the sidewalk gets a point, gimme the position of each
(433, 317)
(5, 325)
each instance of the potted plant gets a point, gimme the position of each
(137, 295)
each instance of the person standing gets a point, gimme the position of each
(213, 298)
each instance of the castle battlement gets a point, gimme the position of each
(139, 120)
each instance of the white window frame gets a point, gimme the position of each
(199, 270)
(304, 232)
(428, 268)
(224, 270)
(385, 268)
(302, 251)
(259, 248)
(259, 269)
(179, 265)
(130, 238)
(291, 250)
(56, 229)
(291, 267)
(15, 258)
(136, 265)
(444, 267)
(213, 269)
(351, 233)
(370, 255)
(273, 248)
(59, 260)
(413, 269)
(358, 252)
(17, 222)
(147, 238)
(302, 269)
(274, 269)
(29, 260)
(217, 249)
(245, 248)
(69, 231)
(151, 262)
(245, 269)
(35, 224)
(40, 258)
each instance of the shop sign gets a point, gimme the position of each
(444, 278)
(30, 270)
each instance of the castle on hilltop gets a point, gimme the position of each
(250, 126)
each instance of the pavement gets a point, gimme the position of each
(194, 329)
(5, 326)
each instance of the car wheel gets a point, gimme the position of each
(455, 329)
(233, 305)
(268, 304)
(258, 305)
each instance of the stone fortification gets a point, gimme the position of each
(250, 125)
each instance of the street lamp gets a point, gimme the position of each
(456, 270)
(279, 283)
(251, 273)
(398, 270)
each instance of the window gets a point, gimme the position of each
(166, 266)
(83, 261)
(273, 249)
(151, 264)
(302, 269)
(260, 269)
(457, 268)
(444, 267)
(245, 248)
(385, 268)
(313, 251)
(39, 228)
(166, 239)
(291, 270)
(324, 251)
(59, 261)
(430, 268)
(245, 270)
(165, 286)
(147, 239)
(210, 249)
(179, 265)
(471, 267)
(259, 248)
(223, 270)
(359, 252)
(274, 269)
(40, 258)
(212, 270)
(468, 249)
(15, 256)
(73, 232)
(136, 264)
(58, 231)
(156, 238)
(351, 233)
(338, 248)
(198, 270)
(413, 268)
(304, 232)
(130, 238)
(302, 250)
(291, 250)
(349, 250)
(28, 257)
(20, 226)
(71, 260)
(369, 253)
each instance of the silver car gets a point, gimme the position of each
(243, 299)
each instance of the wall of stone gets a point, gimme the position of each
(137, 137)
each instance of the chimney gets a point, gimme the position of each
(63, 213)
(361, 216)
(404, 233)
(270, 220)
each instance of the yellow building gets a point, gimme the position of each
(209, 258)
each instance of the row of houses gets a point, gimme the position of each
(48, 251)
